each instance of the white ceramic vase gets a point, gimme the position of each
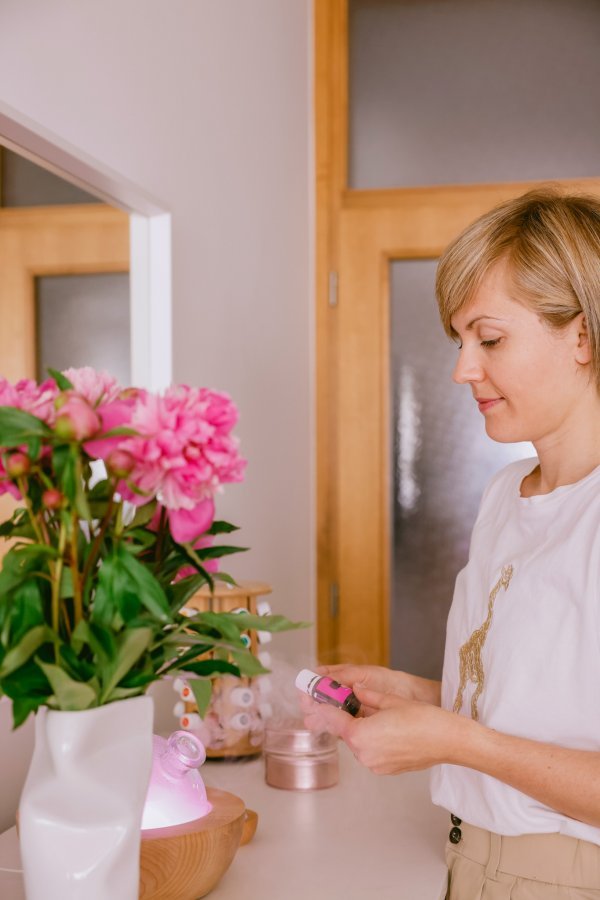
(81, 807)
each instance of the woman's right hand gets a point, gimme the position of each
(384, 681)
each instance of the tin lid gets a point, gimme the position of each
(299, 741)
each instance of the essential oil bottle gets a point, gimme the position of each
(325, 690)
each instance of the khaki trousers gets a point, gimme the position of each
(487, 866)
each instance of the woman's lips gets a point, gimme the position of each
(484, 404)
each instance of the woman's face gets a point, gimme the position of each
(526, 378)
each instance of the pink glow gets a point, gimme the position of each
(176, 793)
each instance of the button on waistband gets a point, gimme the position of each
(455, 835)
(455, 820)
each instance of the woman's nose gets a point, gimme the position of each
(467, 368)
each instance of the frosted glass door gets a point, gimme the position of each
(442, 459)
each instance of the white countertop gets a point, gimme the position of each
(368, 838)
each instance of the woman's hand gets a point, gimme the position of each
(384, 681)
(399, 735)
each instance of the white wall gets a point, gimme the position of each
(207, 107)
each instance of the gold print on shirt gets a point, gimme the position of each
(471, 666)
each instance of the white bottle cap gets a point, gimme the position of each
(263, 608)
(264, 637)
(305, 678)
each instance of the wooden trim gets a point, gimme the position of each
(455, 195)
(331, 106)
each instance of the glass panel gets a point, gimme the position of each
(442, 459)
(456, 91)
(22, 183)
(83, 320)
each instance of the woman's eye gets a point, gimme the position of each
(490, 343)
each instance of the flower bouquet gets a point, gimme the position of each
(114, 531)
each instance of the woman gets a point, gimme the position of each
(514, 727)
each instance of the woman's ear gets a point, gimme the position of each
(583, 351)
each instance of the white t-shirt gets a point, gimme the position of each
(524, 634)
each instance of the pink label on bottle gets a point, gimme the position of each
(327, 689)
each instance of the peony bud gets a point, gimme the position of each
(76, 420)
(17, 465)
(120, 463)
(52, 499)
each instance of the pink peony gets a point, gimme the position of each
(116, 414)
(183, 453)
(75, 419)
(31, 397)
(95, 386)
(186, 525)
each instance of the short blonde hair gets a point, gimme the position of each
(551, 242)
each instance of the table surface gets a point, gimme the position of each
(368, 837)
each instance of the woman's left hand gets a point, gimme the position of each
(400, 736)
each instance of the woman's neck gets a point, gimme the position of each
(569, 455)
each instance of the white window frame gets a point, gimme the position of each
(150, 245)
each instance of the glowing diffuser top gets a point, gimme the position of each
(176, 792)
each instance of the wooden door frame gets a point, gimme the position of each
(358, 234)
(52, 240)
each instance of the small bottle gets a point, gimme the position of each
(325, 690)
(176, 792)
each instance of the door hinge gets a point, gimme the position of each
(334, 600)
(333, 288)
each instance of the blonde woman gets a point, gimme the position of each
(513, 730)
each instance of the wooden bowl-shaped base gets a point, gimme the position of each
(184, 862)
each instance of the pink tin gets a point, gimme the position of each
(300, 760)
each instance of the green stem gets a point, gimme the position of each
(119, 521)
(77, 601)
(58, 568)
(22, 485)
(97, 542)
(160, 540)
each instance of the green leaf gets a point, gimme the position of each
(246, 621)
(222, 623)
(148, 588)
(247, 663)
(122, 693)
(190, 655)
(207, 667)
(23, 706)
(27, 611)
(65, 466)
(78, 668)
(102, 490)
(69, 694)
(197, 563)
(81, 501)
(26, 681)
(62, 382)
(18, 427)
(222, 528)
(201, 689)
(143, 514)
(218, 552)
(130, 647)
(178, 594)
(99, 639)
(25, 649)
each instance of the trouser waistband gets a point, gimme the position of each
(553, 858)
